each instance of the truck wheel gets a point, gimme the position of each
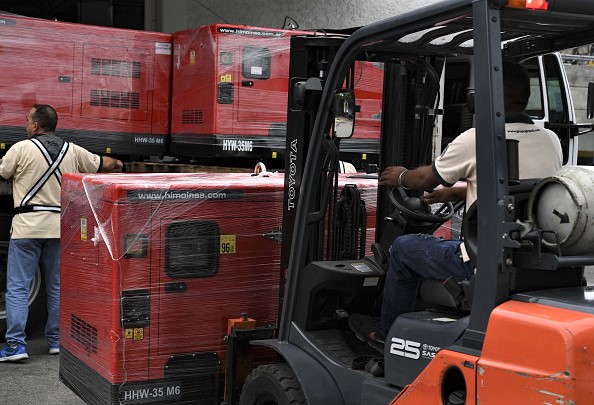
(37, 297)
(272, 384)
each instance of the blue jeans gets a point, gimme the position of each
(413, 258)
(23, 257)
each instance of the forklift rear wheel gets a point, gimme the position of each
(272, 384)
(37, 298)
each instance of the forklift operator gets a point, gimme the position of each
(416, 257)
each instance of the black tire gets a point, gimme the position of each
(272, 384)
(37, 298)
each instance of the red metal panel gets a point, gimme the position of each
(51, 62)
(194, 86)
(30, 74)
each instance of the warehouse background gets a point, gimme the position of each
(174, 15)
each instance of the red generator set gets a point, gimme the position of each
(111, 87)
(154, 267)
(229, 92)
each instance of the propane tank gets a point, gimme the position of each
(564, 203)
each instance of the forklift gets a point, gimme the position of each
(521, 330)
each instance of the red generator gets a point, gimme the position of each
(229, 92)
(153, 267)
(111, 87)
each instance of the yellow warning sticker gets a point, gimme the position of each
(274, 155)
(227, 244)
(129, 333)
(227, 78)
(83, 229)
(364, 156)
(138, 333)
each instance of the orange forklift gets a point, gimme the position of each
(521, 329)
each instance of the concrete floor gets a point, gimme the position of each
(36, 382)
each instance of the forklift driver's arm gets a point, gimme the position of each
(445, 194)
(421, 178)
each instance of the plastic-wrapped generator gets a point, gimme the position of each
(153, 266)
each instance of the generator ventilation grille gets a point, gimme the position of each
(116, 68)
(83, 333)
(115, 99)
(192, 117)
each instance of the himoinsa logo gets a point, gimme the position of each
(246, 31)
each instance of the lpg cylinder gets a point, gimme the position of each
(564, 203)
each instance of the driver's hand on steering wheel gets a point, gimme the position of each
(390, 175)
(445, 194)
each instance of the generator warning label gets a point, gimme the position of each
(138, 333)
(162, 48)
(247, 31)
(189, 195)
(151, 392)
(227, 244)
(83, 229)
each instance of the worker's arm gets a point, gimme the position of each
(421, 178)
(445, 194)
(110, 165)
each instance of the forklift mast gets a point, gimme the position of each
(410, 145)
(310, 59)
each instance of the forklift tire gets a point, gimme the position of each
(272, 384)
(37, 298)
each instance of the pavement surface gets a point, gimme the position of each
(36, 380)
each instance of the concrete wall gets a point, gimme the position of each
(182, 14)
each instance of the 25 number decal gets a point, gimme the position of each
(405, 348)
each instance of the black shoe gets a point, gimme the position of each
(367, 328)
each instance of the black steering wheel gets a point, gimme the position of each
(414, 208)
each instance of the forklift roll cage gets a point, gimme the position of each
(444, 29)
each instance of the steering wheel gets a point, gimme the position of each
(415, 209)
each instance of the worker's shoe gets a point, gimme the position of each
(54, 350)
(13, 353)
(367, 328)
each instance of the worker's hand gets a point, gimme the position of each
(111, 165)
(445, 194)
(389, 177)
(119, 166)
